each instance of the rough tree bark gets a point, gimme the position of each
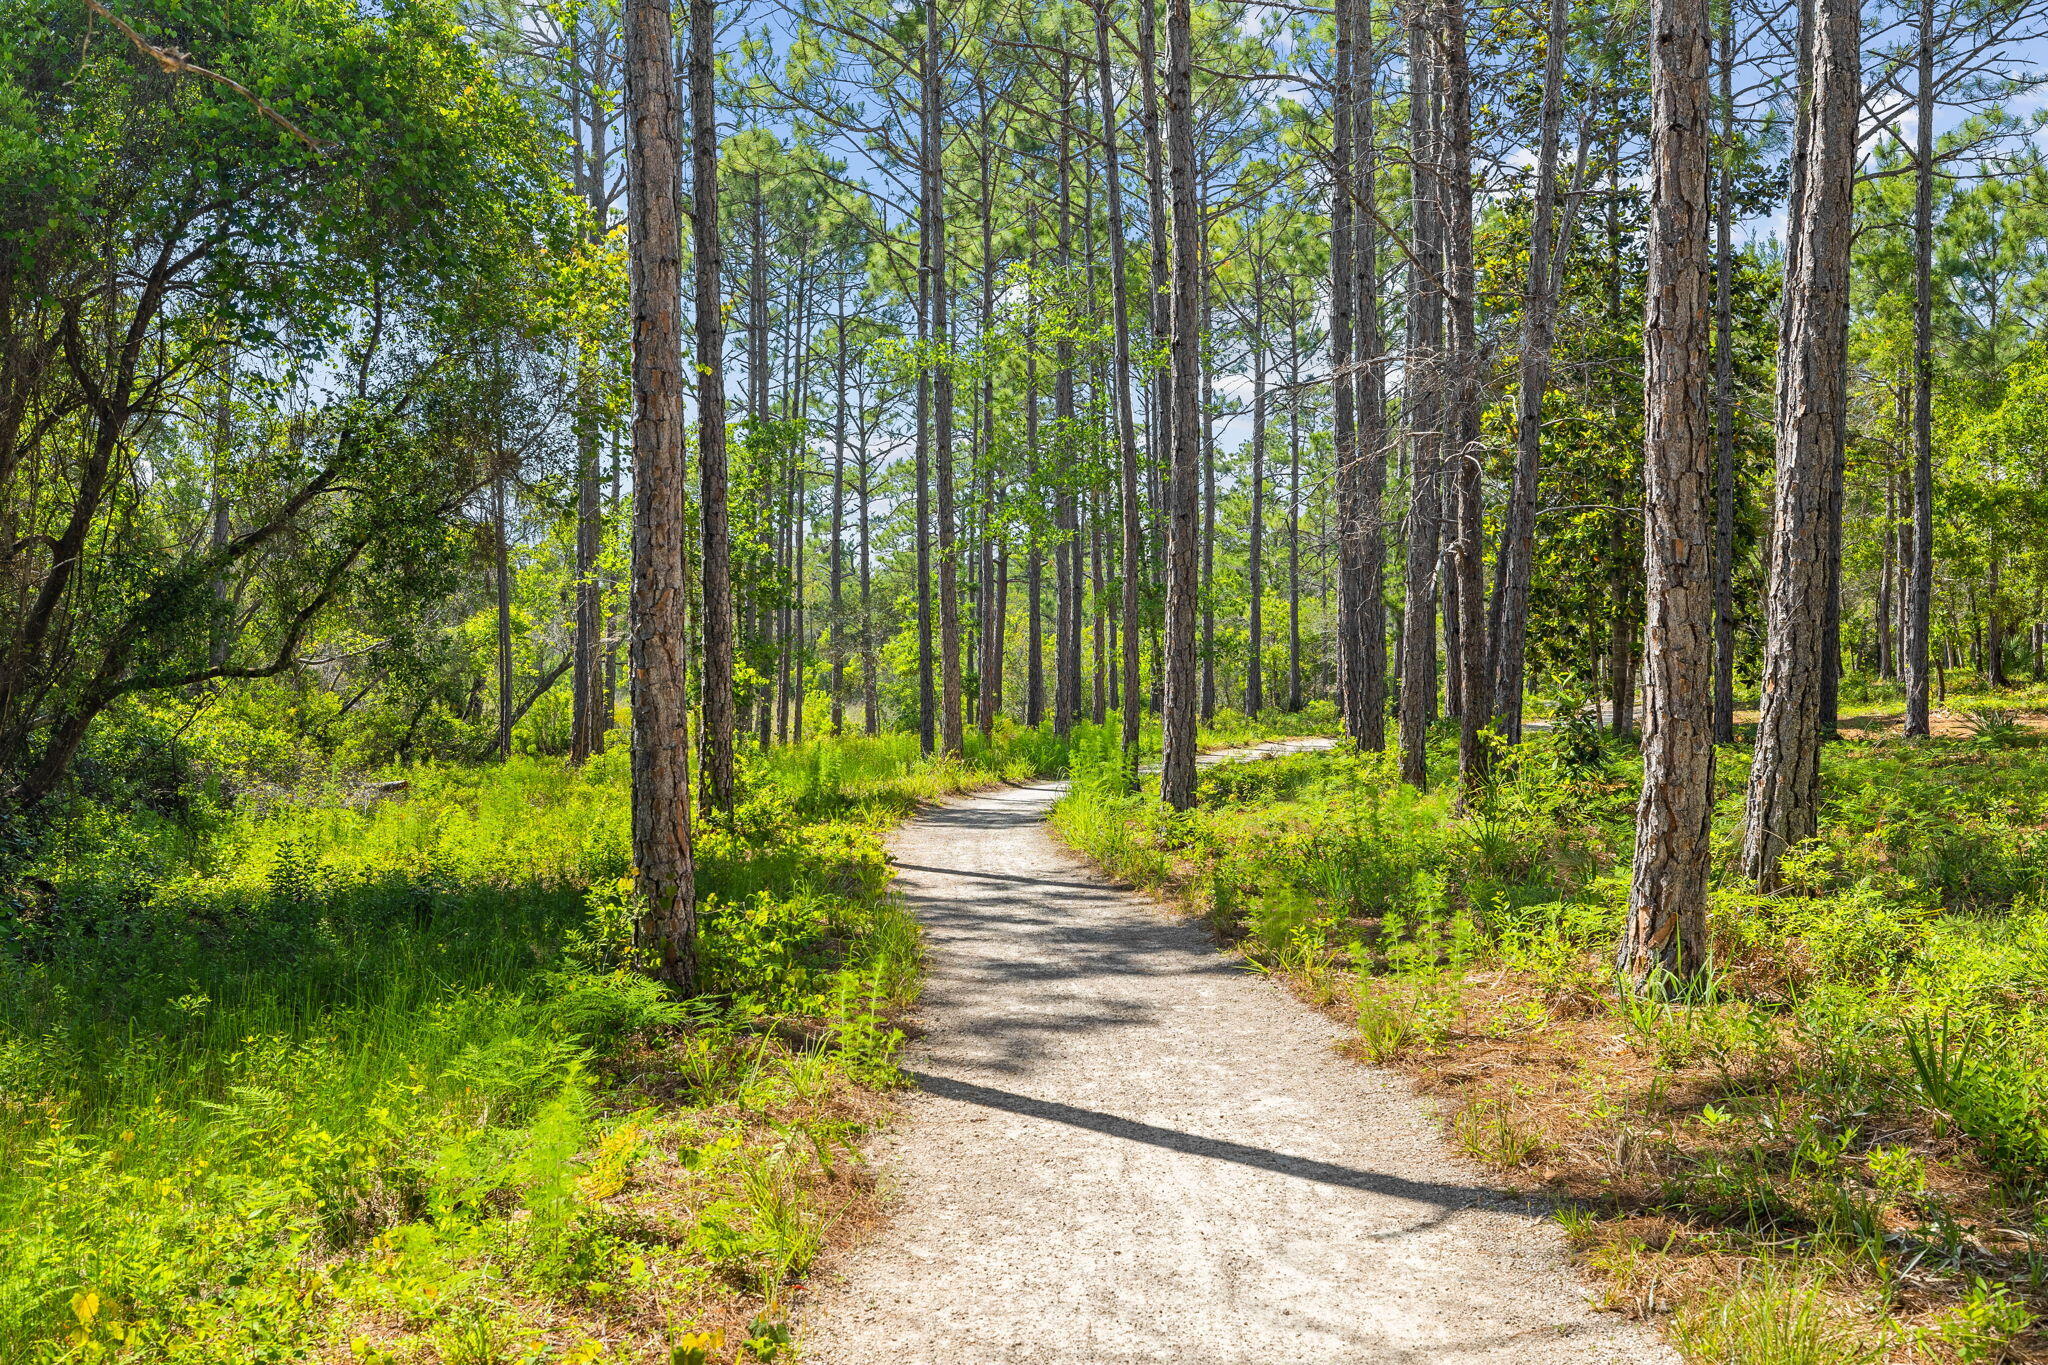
(665, 929)
(1370, 406)
(1422, 414)
(1784, 784)
(715, 756)
(1724, 399)
(1475, 713)
(1182, 700)
(1665, 935)
(1120, 382)
(1350, 644)
(933, 154)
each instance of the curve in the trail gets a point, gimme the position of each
(1126, 1147)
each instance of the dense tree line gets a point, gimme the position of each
(1041, 365)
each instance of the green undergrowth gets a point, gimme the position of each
(367, 1074)
(1834, 1147)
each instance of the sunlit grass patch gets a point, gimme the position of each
(1843, 1126)
(371, 1077)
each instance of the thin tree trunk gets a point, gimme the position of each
(1460, 287)
(1255, 583)
(503, 558)
(1207, 590)
(1160, 310)
(836, 573)
(1422, 412)
(1724, 400)
(870, 700)
(1920, 580)
(1120, 383)
(1066, 626)
(1349, 642)
(1293, 505)
(927, 268)
(1177, 767)
(589, 622)
(1784, 786)
(1518, 541)
(715, 757)
(757, 411)
(994, 560)
(1034, 559)
(1885, 570)
(933, 155)
(1099, 702)
(665, 929)
(221, 528)
(1369, 382)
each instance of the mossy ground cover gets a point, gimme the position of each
(1835, 1148)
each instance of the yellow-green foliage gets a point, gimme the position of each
(266, 1072)
(1900, 987)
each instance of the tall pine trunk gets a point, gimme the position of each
(1369, 383)
(1350, 644)
(1421, 411)
(1120, 383)
(1181, 700)
(1293, 502)
(1518, 539)
(835, 573)
(1784, 786)
(1468, 558)
(1919, 602)
(933, 154)
(585, 736)
(715, 757)
(665, 929)
(502, 560)
(1255, 582)
(1665, 934)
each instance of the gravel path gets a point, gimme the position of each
(1128, 1148)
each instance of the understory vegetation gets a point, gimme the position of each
(361, 1070)
(1830, 1147)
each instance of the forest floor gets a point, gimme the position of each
(1128, 1146)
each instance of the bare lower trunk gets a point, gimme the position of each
(1422, 414)
(1255, 587)
(665, 930)
(1724, 403)
(1475, 674)
(715, 758)
(1369, 384)
(504, 584)
(1920, 578)
(584, 734)
(1784, 785)
(1350, 651)
(1120, 384)
(1518, 538)
(1181, 700)
(1666, 928)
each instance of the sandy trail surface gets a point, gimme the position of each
(1128, 1147)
